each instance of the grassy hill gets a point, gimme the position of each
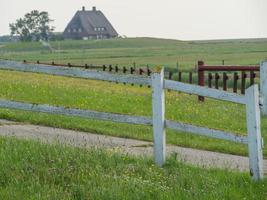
(30, 170)
(142, 51)
(85, 94)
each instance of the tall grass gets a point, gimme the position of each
(31, 170)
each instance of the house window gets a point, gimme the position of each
(99, 29)
(69, 30)
(79, 30)
(74, 30)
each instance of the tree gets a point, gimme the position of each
(34, 26)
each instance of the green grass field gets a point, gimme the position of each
(118, 98)
(133, 100)
(143, 51)
(30, 170)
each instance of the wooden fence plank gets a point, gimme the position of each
(255, 141)
(263, 86)
(158, 104)
(76, 112)
(190, 77)
(132, 70)
(74, 72)
(203, 91)
(201, 78)
(210, 80)
(217, 78)
(110, 68)
(206, 132)
(225, 78)
(180, 76)
(235, 82)
(243, 82)
(124, 70)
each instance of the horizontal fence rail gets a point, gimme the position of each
(206, 132)
(227, 68)
(120, 118)
(76, 112)
(73, 72)
(203, 91)
(158, 121)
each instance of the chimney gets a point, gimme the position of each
(83, 9)
(94, 8)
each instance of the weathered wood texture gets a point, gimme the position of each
(206, 132)
(76, 112)
(255, 141)
(73, 72)
(158, 101)
(263, 86)
(202, 91)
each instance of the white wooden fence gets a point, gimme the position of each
(253, 138)
(263, 87)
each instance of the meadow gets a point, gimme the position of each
(31, 170)
(142, 51)
(127, 99)
(124, 99)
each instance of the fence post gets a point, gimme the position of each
(190, 77)
(201, 78)
(210, 80)
(217, 77)
(225, 78)
(243, 82)
(255, 142)
(180, 76)
(158, 102)
(263, 86)
(235, 82)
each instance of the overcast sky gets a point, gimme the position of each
(177, 19)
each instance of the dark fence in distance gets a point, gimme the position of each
(228, 78)
(170, 73)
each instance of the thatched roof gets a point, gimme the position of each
(92, 22)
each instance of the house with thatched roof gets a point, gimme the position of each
(89, 24)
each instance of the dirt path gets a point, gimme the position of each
(134, 147)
